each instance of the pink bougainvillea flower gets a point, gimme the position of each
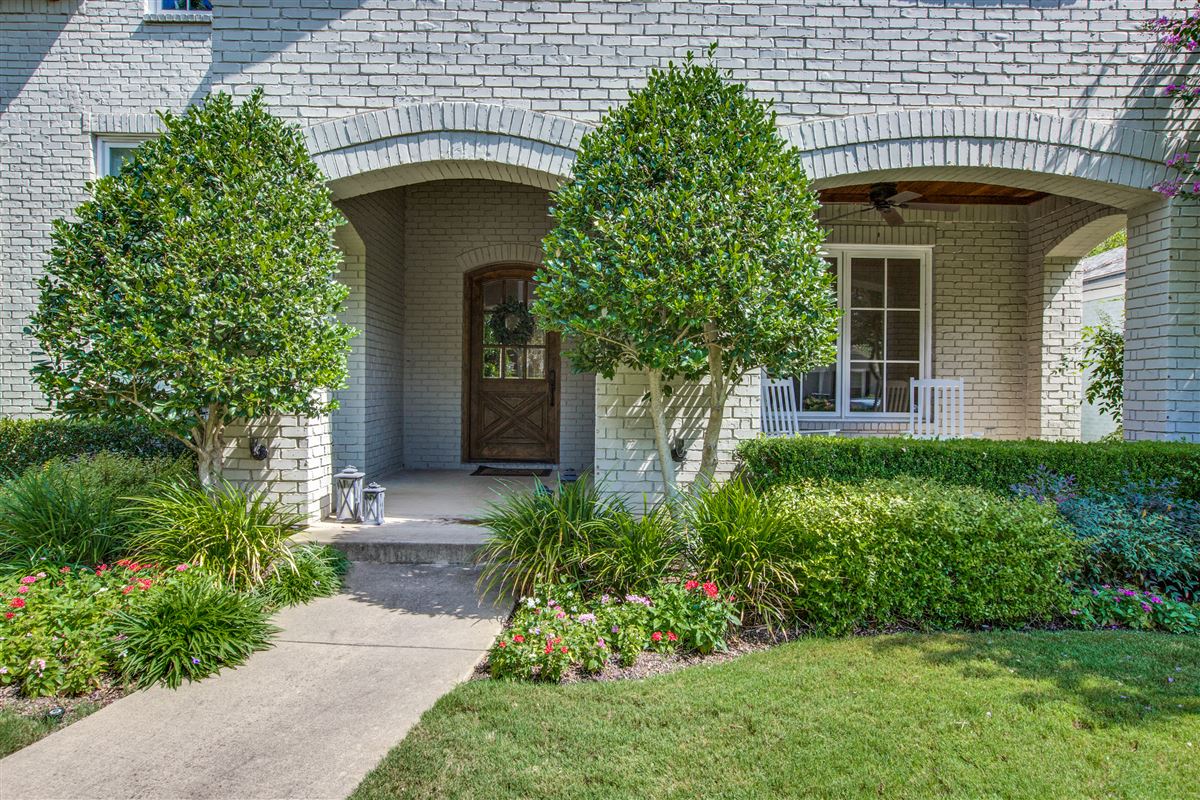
(17, 602)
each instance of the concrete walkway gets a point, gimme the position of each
(309, 718)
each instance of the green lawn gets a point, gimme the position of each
(1008, 715)
(17, 731)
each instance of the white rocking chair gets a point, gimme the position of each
(778, 406)
(935, 408)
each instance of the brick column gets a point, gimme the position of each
(1162, 323)
(299, 466)
(1056, 392)
(626, 460)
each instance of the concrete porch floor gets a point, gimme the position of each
(429, 518)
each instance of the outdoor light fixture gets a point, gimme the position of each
(678, 450)
(372, 511)
(349, 494)
(258, 450)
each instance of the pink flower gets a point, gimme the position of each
(28, 579)
(710, 589)
(17, 602)
(22, 589)
(182, 567)
(65, 569)
(656, 636)
(671, 637)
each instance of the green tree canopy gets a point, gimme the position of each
(197, 286)
(687, 246)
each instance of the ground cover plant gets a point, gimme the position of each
(1095, 714)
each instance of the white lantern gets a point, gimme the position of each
(373, 504)
(349, 494)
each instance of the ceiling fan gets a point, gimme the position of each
(884, 199)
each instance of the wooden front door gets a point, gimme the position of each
(510, 406)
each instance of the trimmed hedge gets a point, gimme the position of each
(26, 443)
(986, 464)
(920, 554)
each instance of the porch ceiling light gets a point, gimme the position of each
(349, 486)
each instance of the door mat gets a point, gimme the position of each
(511, 472)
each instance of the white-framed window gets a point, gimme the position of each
(113, 150)
(204, 6)
(884, 338)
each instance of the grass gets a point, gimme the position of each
(1007, 714)
(17, 731)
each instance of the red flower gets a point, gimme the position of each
(656, 636)
(124, 562)
(690, 585)
(503, 643)
(127, 589)
(672, 637)
(9, 615)
(144, 583)
(563, 648)
(102, 568)
(65, 569)
(518, 638)
(710, 589)
(17, 602)
(549, 647)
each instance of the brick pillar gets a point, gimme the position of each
(299, 465)
(626, 460)
(1056, 392)
(1162, 323)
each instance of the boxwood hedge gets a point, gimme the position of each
(28, 443)
(985, 464)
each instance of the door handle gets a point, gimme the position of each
(552, 378)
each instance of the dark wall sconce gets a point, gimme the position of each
(258, 450)
(678, 450)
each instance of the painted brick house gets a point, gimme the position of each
(443, 125)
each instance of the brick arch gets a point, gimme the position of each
(436, 141)
(499, 253)
(1104, 163)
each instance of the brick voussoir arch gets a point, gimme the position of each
(431, 141)
(1062, 155)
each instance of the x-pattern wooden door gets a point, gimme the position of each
(510, 406)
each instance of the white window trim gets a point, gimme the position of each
(102, 152)
(154, 12)
(843, 253)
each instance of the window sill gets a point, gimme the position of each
(188, 17)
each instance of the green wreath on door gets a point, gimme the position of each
(511, 323)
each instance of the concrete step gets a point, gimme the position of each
(401, 541)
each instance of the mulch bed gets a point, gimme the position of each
(10, 700)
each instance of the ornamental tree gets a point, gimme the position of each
(687, 246)
(1180, 35)
(197, 286)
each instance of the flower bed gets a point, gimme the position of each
(556, 631)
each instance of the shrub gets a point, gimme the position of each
(919, 554)
(748, 543)
(236, 535)
(992, 465)
(316, 570)
(26, 443)
(1143, 535)
(1107, 606)
(77, 511)
(54, 629)
(189, 630)
(538, 537)
(626, 554)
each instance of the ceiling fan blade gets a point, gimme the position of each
(891, 216)
(950, 207)
(903, 197)
(862, 210)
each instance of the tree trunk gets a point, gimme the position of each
(209, 447)
(658, 416)
(718, 394)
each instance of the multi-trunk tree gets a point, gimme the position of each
(687, 247)
(196, 287)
